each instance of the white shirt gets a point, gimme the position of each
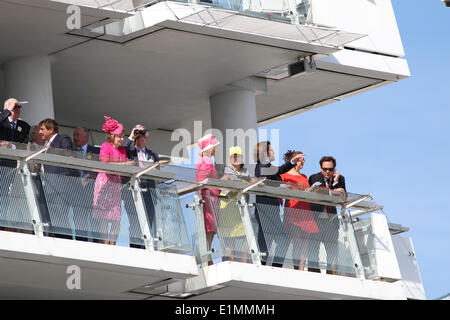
(15, 122)
(49, 142)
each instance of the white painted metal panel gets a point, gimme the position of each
(385, 257)
(409, 268)
(372, 17)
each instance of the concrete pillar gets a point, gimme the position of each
(29, 79)
(233, 113)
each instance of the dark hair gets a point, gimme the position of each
(291, 154)
(49, 124)
(327, 158)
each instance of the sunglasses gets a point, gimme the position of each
(17, 106)
(328, 169)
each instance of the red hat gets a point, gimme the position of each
(112, 126)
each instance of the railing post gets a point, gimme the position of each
(197, 206)
(141, 213)
(157, 221)
(350, 239)
(33, 205)
(251, 239)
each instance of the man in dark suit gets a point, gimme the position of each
(57, 188)
(84, 182)
(326, 218)
(12, 129)
(137, 150)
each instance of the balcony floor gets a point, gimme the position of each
(36, 268)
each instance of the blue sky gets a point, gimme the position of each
(394, 142)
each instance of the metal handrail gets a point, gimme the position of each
(68, 159)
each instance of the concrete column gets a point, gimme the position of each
(233, 113)
(29, 79)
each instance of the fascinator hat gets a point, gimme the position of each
(112, 126)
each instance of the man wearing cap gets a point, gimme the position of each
(11, 127)
(137, 151)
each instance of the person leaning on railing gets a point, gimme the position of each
(298, 218)
(108, 187)
(328, 179)
(267, 211)
(229, 218)
(56, 194)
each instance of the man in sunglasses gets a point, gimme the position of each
(328, 179)
(11, 127)
(137, 150)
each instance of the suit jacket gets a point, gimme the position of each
(272, 173)
(60, 144)
(132, 154)
(89, 149)
(21, 132)
(318, 177)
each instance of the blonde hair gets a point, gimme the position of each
(110, 137)
(5, 105)
(261, 151)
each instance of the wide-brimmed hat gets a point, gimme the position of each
(207, 142)
(112, 126)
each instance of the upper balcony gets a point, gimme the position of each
(138, 232)
(167, 58)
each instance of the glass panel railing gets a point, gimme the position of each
(214, 216)
(300, 237)
(206, 253)
(14, 209)
(168, 226)
(365, 239)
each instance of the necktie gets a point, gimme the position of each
(13, 130)
(141, 157)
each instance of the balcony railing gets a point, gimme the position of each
(57, 193)
(287, 19)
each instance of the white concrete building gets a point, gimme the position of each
(166, 64)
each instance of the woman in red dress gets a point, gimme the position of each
(298, 219)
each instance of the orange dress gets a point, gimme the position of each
(300, 215)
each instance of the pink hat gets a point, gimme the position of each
(112, 126)
(207, 142)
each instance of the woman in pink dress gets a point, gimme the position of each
(205, 169)
(108, 187)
